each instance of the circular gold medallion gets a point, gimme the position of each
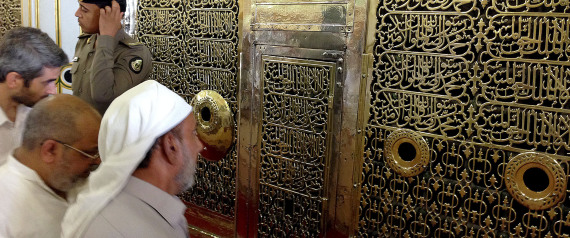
(213, 123)
(406, 152)
(536, 181)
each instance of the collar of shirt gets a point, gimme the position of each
(168, 206)
(30, 174)
(4, 118)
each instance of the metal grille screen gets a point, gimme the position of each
(468, 134)
(295, 147)
(194, 47)
(10, 15)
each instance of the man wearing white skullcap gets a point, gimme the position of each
(149, 149)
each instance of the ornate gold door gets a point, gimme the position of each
(299, 89)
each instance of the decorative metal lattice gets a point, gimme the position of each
(481, 82)
(194, 47)
(10, 15)
(295, 139)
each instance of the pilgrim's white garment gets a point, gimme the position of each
(129, 128)
(140, 210)
(28, 207)
(11, 132)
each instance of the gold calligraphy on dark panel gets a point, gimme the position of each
(542, 37)
(481, 82)
(207, 22)
(11, 15)
(194, 48)
(294, 142)
(533, 83)
(426, 32)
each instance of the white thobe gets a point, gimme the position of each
(28, 207)
(11, 131)
(140, 210)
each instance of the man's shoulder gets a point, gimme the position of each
(10, 178)
(17, 185)
(136, 56)
(131, 47)
(125, 216)
(131, 43)
(84, 38)
(101, 227)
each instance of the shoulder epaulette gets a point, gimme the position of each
(133, 43)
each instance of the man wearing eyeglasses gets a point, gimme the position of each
(41, 178)
(30, 63)
(150, 148)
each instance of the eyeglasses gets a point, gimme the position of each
(93, 157)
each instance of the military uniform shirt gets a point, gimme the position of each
(104, 70)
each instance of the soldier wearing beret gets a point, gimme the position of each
(107, 60)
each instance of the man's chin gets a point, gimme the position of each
(29, 102)
(87, 31)
(79, 182)
(189, 184)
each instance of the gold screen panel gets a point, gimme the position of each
(194, 48)
(295, 146)
(483, 83)
(10, 15)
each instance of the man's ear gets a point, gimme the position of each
(14, 80)
(49, 151)
(170, 147)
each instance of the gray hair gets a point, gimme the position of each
(176, 132)
(27, 51)
(55, 117)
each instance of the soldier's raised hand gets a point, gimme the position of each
(110, 19)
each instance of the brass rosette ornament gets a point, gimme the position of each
(536, 181)
(406, 152)
(214, 124)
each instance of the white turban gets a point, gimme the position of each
(129, 128)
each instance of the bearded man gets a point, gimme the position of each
(40, 179)
(30, 63)
(149, 147)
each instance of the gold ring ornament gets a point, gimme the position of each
(406, 152)
(535, 180)
(214, 124)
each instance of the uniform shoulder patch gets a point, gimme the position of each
(136, 64)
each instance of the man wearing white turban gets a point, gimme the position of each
(149, 149)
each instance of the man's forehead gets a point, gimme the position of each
(87, 5)
(49, 72)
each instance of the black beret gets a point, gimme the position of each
(104, 3)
